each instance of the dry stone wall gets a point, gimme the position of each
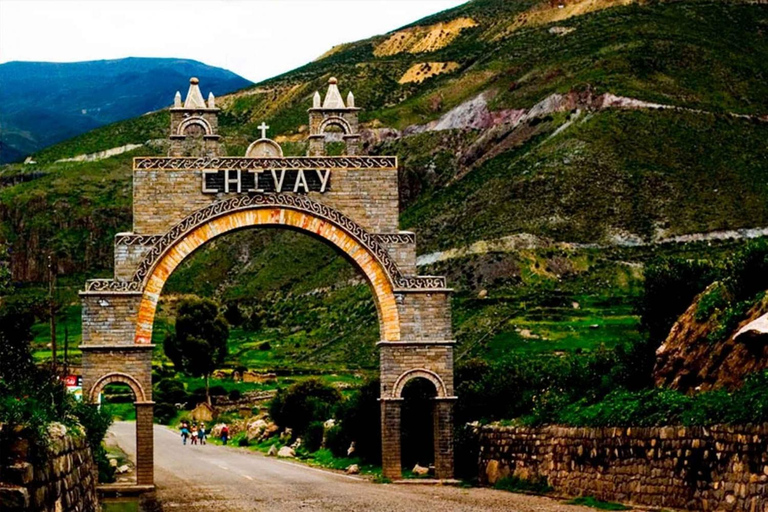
(692, 468)
(64, 482)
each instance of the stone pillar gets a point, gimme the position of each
(145, 446)
(442, 415)
(317, 145)
(391, 462)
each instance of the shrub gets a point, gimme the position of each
(302, 403)
(265, 345)
(218, 391)
(164, 413)
(171, 391)
(235, 394)
(360, 421)
(313, 436)
(337, 441)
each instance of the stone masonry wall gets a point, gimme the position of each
(692, 468)
(162, 198)
(65, 482)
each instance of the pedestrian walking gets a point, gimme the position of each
(184, 432)
(201, 433)
(194, 434)
(224, 434)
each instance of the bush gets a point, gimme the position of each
(360, 421)
(235, 395)
(265, 345)
(337, 441)
(313, 436)
(164, 413)
(302, 403)
(171, 391)
(218, 391)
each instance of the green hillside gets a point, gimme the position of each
(598, 179)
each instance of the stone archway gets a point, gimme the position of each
(292, 212)
(183, 201)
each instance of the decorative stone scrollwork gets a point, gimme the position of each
(396, 238)
(136, 240)
(296, 202)
(242, 163)
(112, 286)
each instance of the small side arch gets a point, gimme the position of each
(192, 121)
(434, 378)
(335, 121)
(138, 391)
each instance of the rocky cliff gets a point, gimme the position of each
(690, 360)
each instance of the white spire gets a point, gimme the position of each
(316, 100)
(194, 96)
(333, 97)
(211, 100)
(177, 100)
(350, 100)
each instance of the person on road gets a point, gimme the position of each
(224, 434)
(184, 432)
(201, 433)
(194, 433)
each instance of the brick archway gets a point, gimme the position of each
(239, 215)
(196, 193)
(124, 378)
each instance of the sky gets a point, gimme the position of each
(257, 39)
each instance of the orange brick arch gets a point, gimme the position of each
(377, 276)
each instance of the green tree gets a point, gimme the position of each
(5, 270)
(199, 343)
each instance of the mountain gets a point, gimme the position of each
(548, 151)
(47, 102)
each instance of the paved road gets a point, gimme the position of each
(229, 479)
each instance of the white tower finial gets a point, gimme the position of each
(316, 101)
(177, 100)
(194, 96)
(350, 100)
(333, 96)
(211, 100)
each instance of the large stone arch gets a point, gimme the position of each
(112, 377)
(336, 121)
(200, 121)
(292, 212)
(419, 373)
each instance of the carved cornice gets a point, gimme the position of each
(243, 163)
(113, 286)
(396, 238)
(136, 240)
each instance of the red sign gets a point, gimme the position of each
(71, 381)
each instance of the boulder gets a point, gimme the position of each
(495, 471)
(113, 463)
(272, 451)
(353, 469)
(255, 429)
(122, 469)
(420, 470)
(286, 452)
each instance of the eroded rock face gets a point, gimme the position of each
(688, 360)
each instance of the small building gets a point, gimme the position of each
(203, 412)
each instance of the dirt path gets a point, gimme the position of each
(227, 479)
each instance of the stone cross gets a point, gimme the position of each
(263, 127)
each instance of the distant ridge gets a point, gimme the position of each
(47, 102)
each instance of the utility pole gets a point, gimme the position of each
(66, 349)
(52, 310)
